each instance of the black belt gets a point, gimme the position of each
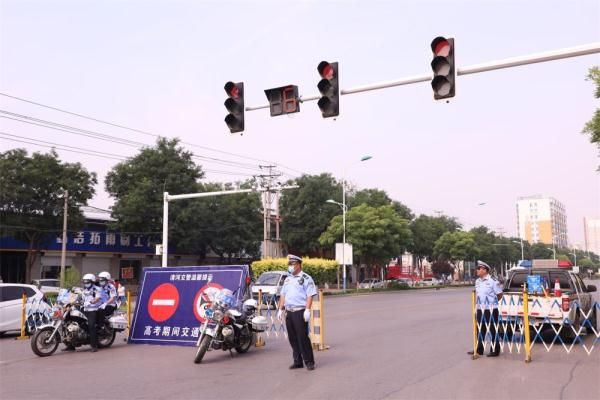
(294, 309)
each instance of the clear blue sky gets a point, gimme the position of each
(160, 66)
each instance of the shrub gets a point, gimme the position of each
(321, 270)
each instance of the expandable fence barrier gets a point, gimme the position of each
(499, 327)
(34, 313)
(267, 307)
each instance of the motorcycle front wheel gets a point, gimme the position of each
(202, 349)
(40, 344)
(246, 344)
(106, 337)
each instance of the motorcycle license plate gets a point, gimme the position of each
(208, 331)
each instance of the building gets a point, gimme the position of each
(591, 234)
(542, 219)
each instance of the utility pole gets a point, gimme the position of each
(63, 253)
(270, 200)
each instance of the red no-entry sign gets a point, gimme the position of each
(163, 302)
(204, 298)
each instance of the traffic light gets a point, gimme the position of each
(444, 70)
(235, 106)
(329, 87)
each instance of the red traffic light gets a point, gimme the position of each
(326, 70)
(329, 87)
(232, 90)
(441, 46)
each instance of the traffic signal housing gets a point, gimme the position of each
(235, 105)
(329, 88)
(444, 69)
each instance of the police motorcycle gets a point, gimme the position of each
(227, 328)
(69, 326)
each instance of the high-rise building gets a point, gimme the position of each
(542, 219)
(591, 227)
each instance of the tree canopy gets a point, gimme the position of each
(427, 230)
(592, 127)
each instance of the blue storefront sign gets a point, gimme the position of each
(92, 241)
(171, 301)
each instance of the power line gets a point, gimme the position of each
(138, 130)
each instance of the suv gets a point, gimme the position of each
(430, 282)
(11, 305)
(270, 283)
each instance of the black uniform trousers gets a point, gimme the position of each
(484, 318)
(297, 330)
(92, 317)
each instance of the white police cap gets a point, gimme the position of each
(481, 264)
(293, 258)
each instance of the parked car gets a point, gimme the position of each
(270, 283)
(430, 282)
(47, 285)
(11, 304)
(405, 282)
(371, 283)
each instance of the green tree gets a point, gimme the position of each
(305, 213)
(376, 234)
(592, 127)
(427, 230)
(138, 185)
(378, 198)
(32, 197)
(456, 246)
(541, 251)
(442, 267)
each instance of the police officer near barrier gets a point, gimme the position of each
(488, 292)
(296, 299)
(92, 299)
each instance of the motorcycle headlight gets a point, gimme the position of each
(218, 315)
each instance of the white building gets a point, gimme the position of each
(542, 219)
(591, 233)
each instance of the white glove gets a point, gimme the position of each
(280, 315)
(103, 306)
(306, 315)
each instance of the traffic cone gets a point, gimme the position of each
(557, 291)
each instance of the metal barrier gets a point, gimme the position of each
(267, 306)
(34, 313)
(510, 333)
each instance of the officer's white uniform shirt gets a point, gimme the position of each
(108, 292)
(90, 294)
(297, 288)
(487, 290)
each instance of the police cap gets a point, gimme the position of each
(292, 259)
(481, 264)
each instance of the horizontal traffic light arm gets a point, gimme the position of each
(577, 51)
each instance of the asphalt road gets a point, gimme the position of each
(396, 345)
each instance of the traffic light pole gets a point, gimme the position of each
(167, 198)
(577, 51)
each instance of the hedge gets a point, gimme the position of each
(321, 270)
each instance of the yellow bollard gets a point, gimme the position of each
(128, 310)
(23, 319)
(474, 314)
(259, 339)
(526, 324)
(317, 326)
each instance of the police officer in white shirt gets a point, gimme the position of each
(488, 291)
(296, 299)
(91, 303)
(109, 294)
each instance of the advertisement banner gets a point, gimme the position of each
(171, 301)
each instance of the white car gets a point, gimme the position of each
(47, 285)
(371, 283)
(11, 306)
(270, 283)
(430, 282)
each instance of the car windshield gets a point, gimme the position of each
(268, 279)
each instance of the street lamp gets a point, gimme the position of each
(522, 254)
(553, 252)
(344, 210)
(574, 255)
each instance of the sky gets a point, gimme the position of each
(159, 67)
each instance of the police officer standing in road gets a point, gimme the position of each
(488, 291)
(92, 299)
(296, 299)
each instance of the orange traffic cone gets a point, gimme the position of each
(557, 291)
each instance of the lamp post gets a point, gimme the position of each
(553, 252)
(344, 209)
(522, 253)
(574, 255)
